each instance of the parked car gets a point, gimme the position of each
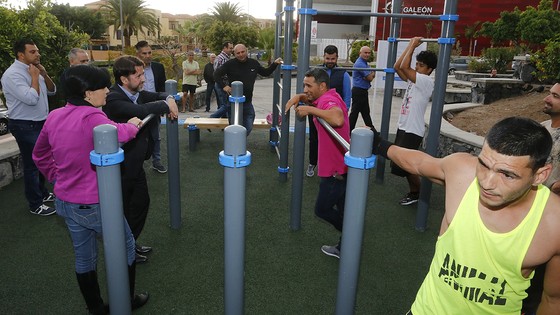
(3, 121)
(458, 64)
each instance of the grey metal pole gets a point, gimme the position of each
(234, 158)
(438, 100)
(389, 84)
(238, 99)
(273, 133)
(359, 161)
(174, 176)
(107, 156)
(300, 123)
(287, 68)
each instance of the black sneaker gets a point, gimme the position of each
(49, 198)
(157, 166)
(409, 199)
(43, 210)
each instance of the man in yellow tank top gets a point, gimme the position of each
(500, 222)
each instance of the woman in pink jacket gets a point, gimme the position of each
(62, 155)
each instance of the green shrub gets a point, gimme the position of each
(499, 57)
(547, 61)
(479, 66)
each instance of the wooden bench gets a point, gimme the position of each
(195, 124)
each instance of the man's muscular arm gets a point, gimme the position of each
(550, 303)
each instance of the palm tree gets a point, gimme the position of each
(472, 32)
(266, 42)
(227, 12)
(188, 33)
(136, 18)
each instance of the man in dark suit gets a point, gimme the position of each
(155, 82)
(125, 100)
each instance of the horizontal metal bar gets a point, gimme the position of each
(351, 69)
(335, 134)
(397, 15)
(426, 40)
(146, 119)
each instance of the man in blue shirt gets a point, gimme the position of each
(26, 85)
(361, 82)
(339, 80)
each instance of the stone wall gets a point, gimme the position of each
(11, 165)
(453, 140)
(488, 90)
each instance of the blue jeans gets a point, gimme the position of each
(26, 133)
(221, 96)
(156, 154)
(223, 104)
(330, 200)
(211, 87)
(222, 112)
(84, 224)
(248, 117)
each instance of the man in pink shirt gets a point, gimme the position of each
(325, 103)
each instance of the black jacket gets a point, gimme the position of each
(159, 76)
(245, 72)
(208, 73)
(120, 109)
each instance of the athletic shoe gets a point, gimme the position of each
(43, 210)
(409, 199)
(331, 250)
(50, 198)
(159, 167)
(310, 170)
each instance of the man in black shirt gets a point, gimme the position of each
(243, 69)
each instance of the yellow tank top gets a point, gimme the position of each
(475, 270)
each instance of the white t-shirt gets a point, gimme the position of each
(415, 102)
(554, 153)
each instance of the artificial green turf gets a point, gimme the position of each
(285, 271)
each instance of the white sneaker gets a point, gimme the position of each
(331, 251)
(43, 210)
(310, 170)
(50, 198)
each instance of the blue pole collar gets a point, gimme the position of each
(239, 99)
(98, 159)
(235, 161)
(358, 162)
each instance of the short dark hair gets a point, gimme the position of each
(320, 76)
(141, 44)
(125, 66)
(429, 58)
(82, 78)
(19, 46)
(330, 49)
(518, 136)
(226, 44)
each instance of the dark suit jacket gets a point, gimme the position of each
(120, 109)
(159, 76)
